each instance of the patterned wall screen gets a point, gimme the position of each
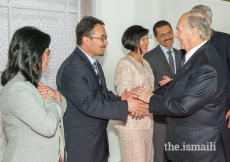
(58, 18)
(58, 4)
(3, 1)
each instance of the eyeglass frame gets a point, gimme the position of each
(103, 38)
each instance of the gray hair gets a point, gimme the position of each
(201, 22)
(85, 27)
(204, 10)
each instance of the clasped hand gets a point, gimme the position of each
(48, 93)
(136, 107)
(142, 94)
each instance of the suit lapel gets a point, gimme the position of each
(189, 63)
(86, 62)
(163, 59)
(177, 59)
(102, 77)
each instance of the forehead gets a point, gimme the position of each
(163, 29)
(99, 30)
(182, 23)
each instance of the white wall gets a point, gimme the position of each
(120, 14)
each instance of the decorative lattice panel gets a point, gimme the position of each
(3, 1)
(73, 5)
(4, 36)
(60, 4)
(73, 20)
(86, 7)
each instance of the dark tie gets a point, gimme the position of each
(171, 62)
(96, 71)
(182, 61)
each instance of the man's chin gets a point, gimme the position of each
(101, 54)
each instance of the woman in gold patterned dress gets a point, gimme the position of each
(136, 133)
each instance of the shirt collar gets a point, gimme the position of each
(92, 60)
(192, 51)
(165, 50)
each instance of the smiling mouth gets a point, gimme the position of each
(168, 40)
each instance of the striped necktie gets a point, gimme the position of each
(95, 68)
(96, 71)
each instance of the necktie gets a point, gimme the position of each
(96, 71)
(171, 62)
(182, 61)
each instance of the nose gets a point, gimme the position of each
(106, 42)
(176, 35)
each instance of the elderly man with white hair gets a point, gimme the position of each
(194, 102)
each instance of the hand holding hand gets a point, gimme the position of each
(165, 80)
(137, 107)
(48, 93)
(142, 94)
(125, 95)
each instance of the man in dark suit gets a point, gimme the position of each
(89, 103)
(159, 61)
(221, 42)
(194, 102)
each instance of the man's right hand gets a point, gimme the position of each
(137, 107)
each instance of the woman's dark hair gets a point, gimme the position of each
(131, 37)
(25, 55)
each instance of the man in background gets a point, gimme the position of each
(89, 103)
(164, 61)
(221, 42)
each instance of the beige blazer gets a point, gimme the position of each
(129, 74)
(33, 125)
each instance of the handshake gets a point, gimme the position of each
(138, 100)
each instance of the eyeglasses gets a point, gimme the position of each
(48, 52)
(103, 38)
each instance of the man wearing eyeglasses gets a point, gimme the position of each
(89, 103)
(164, 61)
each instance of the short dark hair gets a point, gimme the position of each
(25, 55)
(131, 37)
(85, 27)
(160, 24)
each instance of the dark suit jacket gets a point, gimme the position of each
(88, 109)
(160, 67)
(194, 103)
(221, 42)
(159, 64)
